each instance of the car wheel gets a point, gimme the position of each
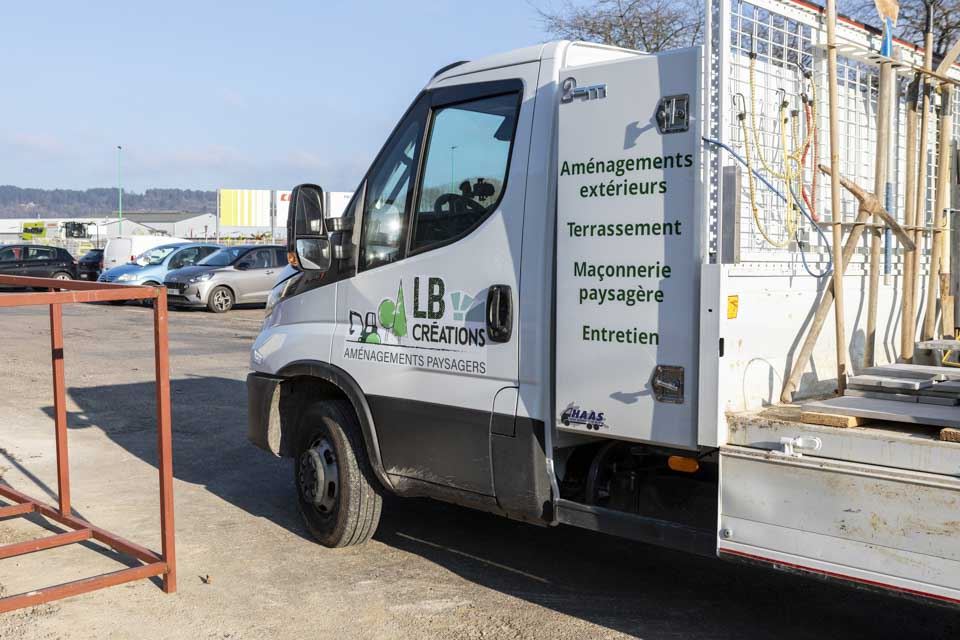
(62, 275)
(336, 492)
(220, 300)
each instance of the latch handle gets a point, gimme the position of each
(667, 384)
(791, 445)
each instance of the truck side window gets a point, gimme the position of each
(385, 207)
(468, 155)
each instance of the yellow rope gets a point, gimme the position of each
(793, 169)
(790, 219)
(752, 187)
(753, 120)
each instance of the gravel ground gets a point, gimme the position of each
(247, 568)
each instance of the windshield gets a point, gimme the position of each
(154, 256)
(224, 257)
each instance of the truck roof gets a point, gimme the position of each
(509, 58)
(546, 50)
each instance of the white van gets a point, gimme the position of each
(522, 310)
(124, 249)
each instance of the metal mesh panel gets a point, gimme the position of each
(782, 48)
(785, 38)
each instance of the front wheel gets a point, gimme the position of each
(336, 491)
(62, 275)
(220, 300)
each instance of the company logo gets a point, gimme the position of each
(569, 91)
(441, 331)
(574, 415)
(425, 327)
(390, 317)
(461, 303)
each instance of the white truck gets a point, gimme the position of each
(520, 311)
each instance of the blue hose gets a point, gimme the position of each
(797, 201)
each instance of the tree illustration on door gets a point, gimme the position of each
(392, 315)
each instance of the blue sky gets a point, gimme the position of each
(214, 94)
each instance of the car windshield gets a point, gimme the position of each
(154, 256)
(224, 257)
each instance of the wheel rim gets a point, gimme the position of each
(319, 476)
(61, 276)
(221, 300)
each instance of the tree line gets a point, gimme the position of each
(18, 202)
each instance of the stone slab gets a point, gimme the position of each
(942, 345)
(944, 402)
(905, 370)
(881, 395)
(874, 382)
(888, 410)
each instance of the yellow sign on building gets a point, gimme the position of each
(244, 207)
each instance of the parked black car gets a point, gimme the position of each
(91, 264)
(37, 261)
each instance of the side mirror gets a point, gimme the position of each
(308, 246)
(243, 265)
(313, 254)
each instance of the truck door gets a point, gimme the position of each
(425, 325)
(629, 249)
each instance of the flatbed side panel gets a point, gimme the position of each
(883, 527)
(885, 447)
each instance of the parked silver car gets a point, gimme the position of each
(231, 276)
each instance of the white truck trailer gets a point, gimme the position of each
(529, 308)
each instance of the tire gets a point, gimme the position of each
(220, 300)
(329, 442)
(58, 275)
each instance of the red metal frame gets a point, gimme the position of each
(77, 529)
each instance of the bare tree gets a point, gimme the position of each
(648, 25)
(656, 25)
(913, 19)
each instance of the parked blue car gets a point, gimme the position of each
(152, 265)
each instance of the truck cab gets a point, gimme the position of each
(519, 312)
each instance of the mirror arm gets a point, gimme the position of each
(339, 224)
(342, 251)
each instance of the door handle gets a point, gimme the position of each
(499, 313)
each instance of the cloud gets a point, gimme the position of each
(233, 98)
(40, 143)
(304, 160)
(203, 157)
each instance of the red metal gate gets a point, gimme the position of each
(77, 529)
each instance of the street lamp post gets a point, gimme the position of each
(119, 194)
(453, 175)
